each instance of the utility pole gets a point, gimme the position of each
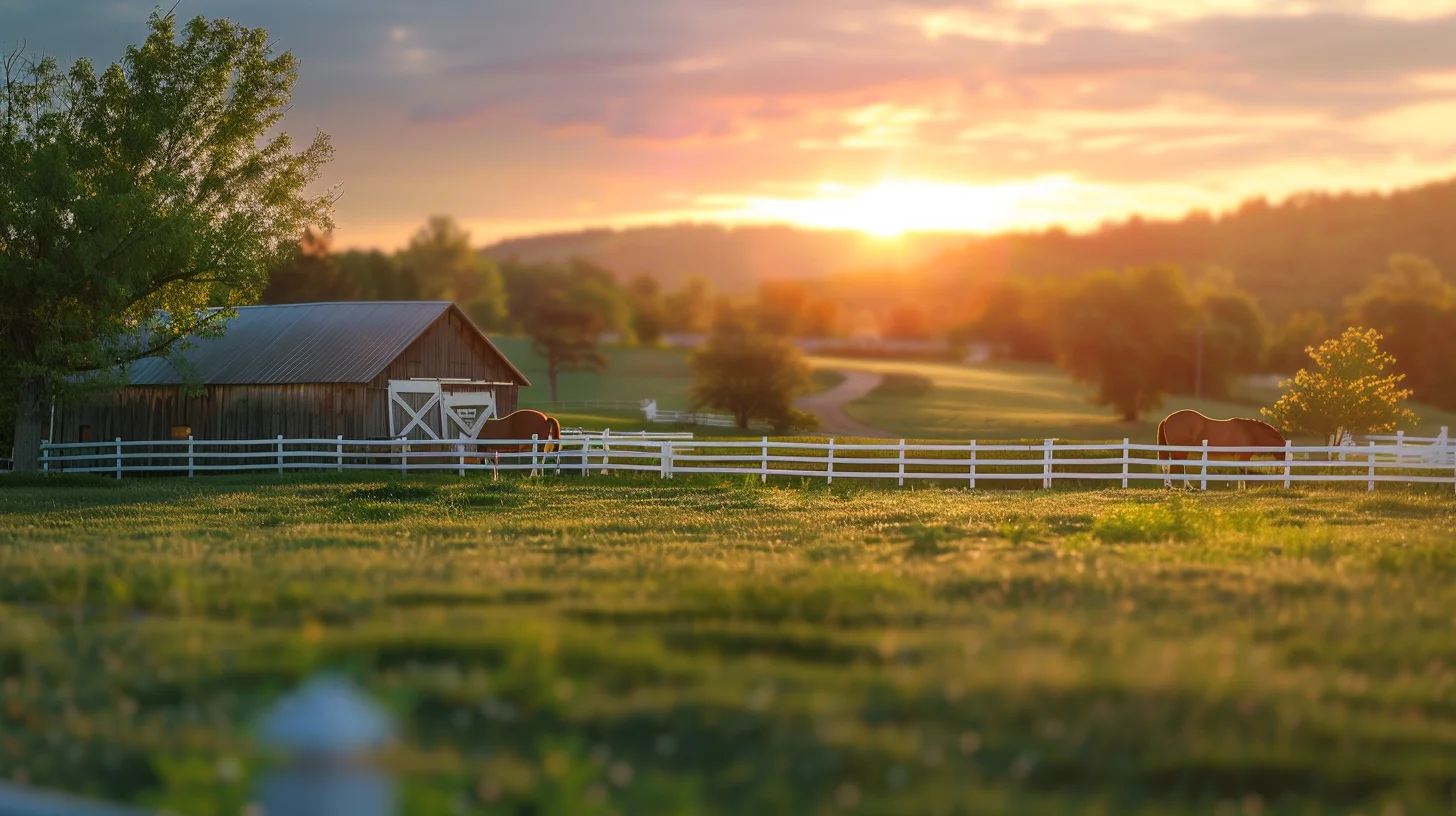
(1198, 365)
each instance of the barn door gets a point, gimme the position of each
(464, 412)
(414, 409)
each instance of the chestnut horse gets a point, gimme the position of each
(1190, 428)
(520, 425)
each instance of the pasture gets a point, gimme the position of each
(730, 647)
(992, 401)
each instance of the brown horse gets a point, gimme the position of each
(520, 425)
(1189, 428)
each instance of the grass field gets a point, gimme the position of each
(1026, 401)
(734, 648)
(997, 401)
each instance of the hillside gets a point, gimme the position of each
(1310, 251)
(734, 259)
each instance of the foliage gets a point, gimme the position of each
(719, 647)
(1235, 340)
(906, 321)
(310, 276)
(751, 375)
(1350, 388)
(1015, 319)
(443, 265)
(1126, 335)
(1290, 347)
(1414, 309)
(564, 309)
(689, 307)
(137, 197)
(649, 315)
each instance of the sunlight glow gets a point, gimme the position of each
(896, 207)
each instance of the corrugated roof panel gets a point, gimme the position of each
(302, 343)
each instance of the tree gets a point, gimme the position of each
(440, 260)
(690, 308)
(906, 321)
(1350, 388)
(565, 335)
(1414, 309)
(752, 375)
(1234, 342)
(311, 275)
(1127, 336)
(648, 313)
(1014, 320)
(136, 198)
(1290, 347)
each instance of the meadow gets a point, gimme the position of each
(989, 401)
(731, 647)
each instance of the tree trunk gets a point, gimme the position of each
(30, 407)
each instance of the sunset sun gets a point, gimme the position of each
(892, 208)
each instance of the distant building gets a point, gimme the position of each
(311, 370)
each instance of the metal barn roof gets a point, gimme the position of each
(306, 343)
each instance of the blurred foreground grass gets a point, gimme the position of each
(615, 645)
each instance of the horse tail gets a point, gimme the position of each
(1162, 439)
(553, 431)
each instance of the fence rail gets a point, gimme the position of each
(970, 463)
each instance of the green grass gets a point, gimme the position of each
(717, 646)
(1003, 401)
(632, 374)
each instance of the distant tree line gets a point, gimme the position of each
(1146, 332)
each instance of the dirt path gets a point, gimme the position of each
(829, 405)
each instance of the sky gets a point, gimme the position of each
(524, 116)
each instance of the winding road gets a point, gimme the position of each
(829, 405)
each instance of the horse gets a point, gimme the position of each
(520, 425)
(1190, 428)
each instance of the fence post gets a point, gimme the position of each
(280, 453)
(460, 449)
(763, 471)
(606, 450)
(1203, 471)
(1046, 468)
(1400, 447)
(831, 460)
(118, 458)
(534, 450)
(1126, 453)
(901, 482)
(325, 734)
(973, 464)
(189, 456)
(1370, 485)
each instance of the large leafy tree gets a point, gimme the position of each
(1414, 309)
(1126, 335)
(752, 375)
(134, 198)
(440, 259)
(1350, 387)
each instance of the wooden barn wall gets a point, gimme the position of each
(230, 412)
(450, 348)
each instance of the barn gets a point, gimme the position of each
(309, 371)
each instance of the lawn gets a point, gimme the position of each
(1004, 401)
(728, 647)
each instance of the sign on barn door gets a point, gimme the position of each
(439, 409)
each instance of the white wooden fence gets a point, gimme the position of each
(969, 463)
